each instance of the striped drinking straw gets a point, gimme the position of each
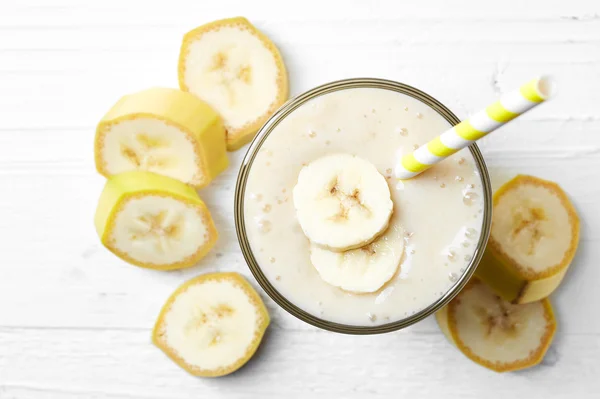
(467, 132)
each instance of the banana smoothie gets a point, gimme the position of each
(336, 233)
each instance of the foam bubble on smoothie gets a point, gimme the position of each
(469, 198)
(471, 233)
(264, 226)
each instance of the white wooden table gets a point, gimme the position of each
(75, 321)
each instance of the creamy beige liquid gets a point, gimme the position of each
(441, 210)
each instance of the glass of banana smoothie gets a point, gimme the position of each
(329, 232)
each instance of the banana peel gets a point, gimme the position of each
(238, 70)
(123, 189)
(212, 324)
(496, 334)
(164, 131)
(545, 225)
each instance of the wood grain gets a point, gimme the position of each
(75, 321)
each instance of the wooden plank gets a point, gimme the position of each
(288, 364)
(178, 10)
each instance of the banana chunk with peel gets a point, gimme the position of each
(164, 131)
(534, 236)
(342, 202)
(497, 334)
(365, 269)
(237, 70)
(154, 221)
(211, 325)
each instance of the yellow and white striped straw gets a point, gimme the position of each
(467, 132)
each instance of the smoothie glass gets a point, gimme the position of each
(240, 194)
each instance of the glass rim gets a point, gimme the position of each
(240, 190)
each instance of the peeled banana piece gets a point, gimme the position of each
(534, 237)
(211, 325)
(238, 71)
(164, 131)
(342, 202)
(494, 333)
(362, 270)
(154, 221)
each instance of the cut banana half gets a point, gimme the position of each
(236, 69)
(164, 131)
(211, 325)
(342, 202)
(361, 270)
(154, 221)
(534, 236)
(494, 333)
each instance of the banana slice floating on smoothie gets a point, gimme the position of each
(497, 334)
(211, 325)
(342, 202)
(154, 221)
(534, 236)
(165, 131)
(361, 270)
(236, 69)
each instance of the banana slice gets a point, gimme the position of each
(154, 221)
(165, 131)
(236, 69)
(494, 333)
(534, 236)
(364, 269)
(211, 325)
(342, 202)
